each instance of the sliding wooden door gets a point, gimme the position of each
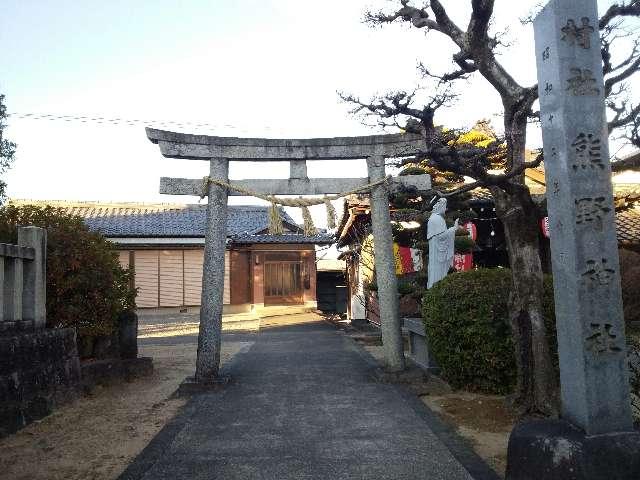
(283, 280)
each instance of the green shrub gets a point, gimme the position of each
(406, 286)
(463, 244)
(466, 317)
(86, 286)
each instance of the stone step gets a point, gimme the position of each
(279, 310)
(240, 321)
(235, 317)
(244, 325)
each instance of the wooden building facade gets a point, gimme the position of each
(256, 275)
(164, 243)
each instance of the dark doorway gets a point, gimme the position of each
(332, 290)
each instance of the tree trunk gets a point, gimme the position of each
(536, 390)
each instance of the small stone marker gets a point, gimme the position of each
(584, 248)
(34, 294)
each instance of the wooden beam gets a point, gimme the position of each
(204, 147)
(291, 186)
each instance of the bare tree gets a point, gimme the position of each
(477, 48)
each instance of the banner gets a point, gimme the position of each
(408, 260)
(463, 261)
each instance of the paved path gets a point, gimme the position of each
(302, 405)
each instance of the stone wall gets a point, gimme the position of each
(38, 371)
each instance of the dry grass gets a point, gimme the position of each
(484, 420)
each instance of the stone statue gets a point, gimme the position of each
(441, 240)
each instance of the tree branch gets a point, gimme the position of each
(606, 55)
(399, 104)
(623, 117)
(478, 28)
(632, 9)
(446, 25)
(419, 17)
(469, 42)
(610, 82)
(632, 162)
(466, 65)
(492, 179)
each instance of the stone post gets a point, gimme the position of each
(584, 247)
(594, 439)
(209, 337)
(12, 290)
(34, 292)
(385, 267)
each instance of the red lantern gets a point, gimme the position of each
(544, 226)
(471, 228)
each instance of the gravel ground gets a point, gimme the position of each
(95, 437)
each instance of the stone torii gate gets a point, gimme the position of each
(219, 151)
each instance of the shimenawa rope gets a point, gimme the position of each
(275, 219)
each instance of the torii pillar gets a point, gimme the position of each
(220, 150)
(210, 331)
(385, 267)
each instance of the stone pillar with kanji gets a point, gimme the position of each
(595, 437)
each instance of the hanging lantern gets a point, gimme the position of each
(471, 228)
(544, 226)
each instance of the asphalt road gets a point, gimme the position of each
(303, 404)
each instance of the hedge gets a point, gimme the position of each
(86, 286)
(466, 318)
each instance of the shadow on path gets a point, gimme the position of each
(302, 405)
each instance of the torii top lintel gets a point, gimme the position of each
(205, 147)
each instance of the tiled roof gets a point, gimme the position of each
(165, 220)
(187, 221)
(320, 239)
(628, 226)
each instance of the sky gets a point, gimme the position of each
(246, 68)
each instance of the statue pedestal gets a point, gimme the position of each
(419, 345)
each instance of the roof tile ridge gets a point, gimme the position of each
(97, 203)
